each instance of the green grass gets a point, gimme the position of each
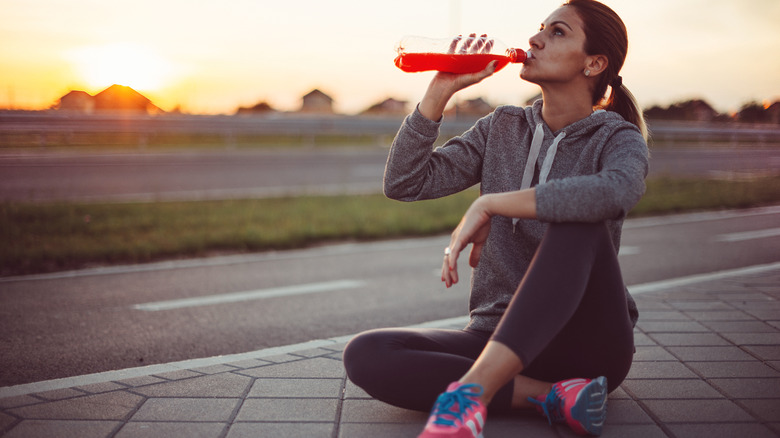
(674, 195)
(37, 238)
(45, 237)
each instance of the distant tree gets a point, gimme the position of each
(655, 112)
(753, 112)
(690, 110)
(773, 113)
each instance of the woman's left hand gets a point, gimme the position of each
(474, 229)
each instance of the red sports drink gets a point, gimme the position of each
(458, 55)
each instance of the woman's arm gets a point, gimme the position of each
(518, 204)
(474, 227)
(414, 171)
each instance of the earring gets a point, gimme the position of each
(587, 72)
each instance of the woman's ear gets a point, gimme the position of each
(596, 64)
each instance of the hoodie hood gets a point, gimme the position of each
(584, 127)
(541, 131)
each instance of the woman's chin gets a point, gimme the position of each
(527, 76)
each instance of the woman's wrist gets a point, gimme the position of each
(517, 204)
(484, 204)
(435, 100)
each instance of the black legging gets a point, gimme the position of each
(568, 318)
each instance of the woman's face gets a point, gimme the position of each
(557, 52)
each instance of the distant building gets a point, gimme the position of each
(317, 102)
(113, 98)
(77, 101)
(387, 107)
(470, 108)
(260, 108)
(123, 98)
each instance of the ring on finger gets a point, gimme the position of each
(447, 251)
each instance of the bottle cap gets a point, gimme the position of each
(516, 55)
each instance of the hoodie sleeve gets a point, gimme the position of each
(607, 195)
(415, 171)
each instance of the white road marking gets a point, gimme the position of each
(629, 250)
(687, 218)
(459, 321)
(748, 235)
(285, 291)
(692, 279)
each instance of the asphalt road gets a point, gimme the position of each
(89, 321)
(221, 174)
(188, 175)
(77, 323)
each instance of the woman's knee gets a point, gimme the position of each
(363, 354)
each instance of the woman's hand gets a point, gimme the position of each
(445, 85)
(474, 229)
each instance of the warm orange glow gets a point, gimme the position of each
(206, 58)
(125, 64)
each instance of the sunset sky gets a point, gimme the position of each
(212, 56)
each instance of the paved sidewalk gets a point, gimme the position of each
(707, 365)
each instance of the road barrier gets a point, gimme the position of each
(47, 128)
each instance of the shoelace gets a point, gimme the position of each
(461, 399)
(551, 406)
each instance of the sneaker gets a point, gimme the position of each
(580, 403)
(458, 412)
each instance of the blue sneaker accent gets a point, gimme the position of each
(454, 405)
(550, 406)
(580, 403)
(457, 413)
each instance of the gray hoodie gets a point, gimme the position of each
(590, 171)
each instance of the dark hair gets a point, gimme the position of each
(605, 34)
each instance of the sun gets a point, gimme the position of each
(133, 65)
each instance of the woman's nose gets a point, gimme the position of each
(536, 41)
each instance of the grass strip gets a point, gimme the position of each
(36, 238)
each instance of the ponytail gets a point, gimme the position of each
(621, 101)
(605, 34)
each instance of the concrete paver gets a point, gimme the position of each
(707, 365)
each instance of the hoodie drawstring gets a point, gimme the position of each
(548, 160)
(533, 155)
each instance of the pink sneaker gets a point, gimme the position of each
(580, 403)
(457, 413)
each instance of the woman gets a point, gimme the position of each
(551, 322)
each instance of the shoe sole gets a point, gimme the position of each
(590, 408)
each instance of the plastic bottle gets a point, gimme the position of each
(468, 54)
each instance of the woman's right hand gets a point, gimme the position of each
(474, 229)
(445, 85)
